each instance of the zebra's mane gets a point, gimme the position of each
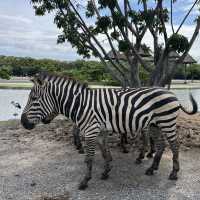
(50, 76)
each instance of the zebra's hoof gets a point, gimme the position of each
(138, 161)
(149, 172)
(82, 186)
(173, 176)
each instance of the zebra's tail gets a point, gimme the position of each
(194, 106)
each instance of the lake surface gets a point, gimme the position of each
(8, 111)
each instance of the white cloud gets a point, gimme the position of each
(23, 34)
(15, 19)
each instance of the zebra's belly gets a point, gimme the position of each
(121, 127)
(125, 124)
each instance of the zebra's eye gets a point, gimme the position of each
(34, 98)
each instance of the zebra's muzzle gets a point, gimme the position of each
(49, 118)
(25, 122)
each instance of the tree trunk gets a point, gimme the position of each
(135, 79)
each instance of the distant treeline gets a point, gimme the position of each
(88, 71)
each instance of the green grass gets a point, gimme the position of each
(92, 85)
(9, 122)
(15, 85)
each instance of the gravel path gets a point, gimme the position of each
(44, 165)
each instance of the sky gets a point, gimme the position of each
(25, 35)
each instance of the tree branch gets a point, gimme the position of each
(136, 54)
(186, 16)
(109, 39)
(87, 31)
(128, 23)
(160, 15)
(196, 32)
(171, 19)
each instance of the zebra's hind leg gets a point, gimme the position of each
(103, 145)
(90, 144)
(174, 145)
(160, 147)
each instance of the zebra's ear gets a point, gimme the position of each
(37, 80)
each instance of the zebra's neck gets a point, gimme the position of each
(70, 96)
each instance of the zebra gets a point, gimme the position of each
(79, 146)
(99, 110)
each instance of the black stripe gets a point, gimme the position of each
(156, 105)
(95, 105)
(165, 120)
(101, 95)
(168, 112)
(88, 120)
(150, 97)
(109, 108)
(62, 101)
(134, 99)
(170, 137)
(144, 121)
(117, 111)
(111, 96)
(168, 126)
(88, 98)
(70, 99)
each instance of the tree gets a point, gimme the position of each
(4, 72)
(84, 26)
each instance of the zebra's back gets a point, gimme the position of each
(131, 110)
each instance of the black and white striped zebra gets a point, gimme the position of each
(99, 110)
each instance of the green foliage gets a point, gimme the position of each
(103, 23)
(111, 21)
(115, 35)
(4, 72)
(192, 72)
(153, 19)
(178, 43)
(118, 19)
(86, 71)
(123, 45)
(108, 3)
(144, 76)
(90, 9)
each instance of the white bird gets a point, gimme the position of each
(17, 105)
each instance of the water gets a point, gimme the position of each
(8, 111)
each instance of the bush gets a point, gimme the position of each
(5, 73)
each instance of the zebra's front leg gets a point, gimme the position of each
(123, 142)
(152, 148)
(90, 144)
(77, 139)
(103, 145)
(143, 147)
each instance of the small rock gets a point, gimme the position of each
(33, 184)
(17, 175)
(185, 148)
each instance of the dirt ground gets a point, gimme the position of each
(43, 164)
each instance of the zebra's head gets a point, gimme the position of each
(40, 107)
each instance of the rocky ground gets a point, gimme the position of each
(43, 164)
